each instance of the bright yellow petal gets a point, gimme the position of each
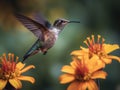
(91, 85)
(74, 86)
(78, 52)
(73, 63)
(2, 84)
(15, 83)
(88, 85)
(94, 64)
(68, 69)
(114, 57)
(106, 60)
(109, 48)
(26, 78)
(20, 65)
(99, 74)
(66, 78)
(27, 68)
(83, 86)
(85, 49)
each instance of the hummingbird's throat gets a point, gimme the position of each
(56, 31)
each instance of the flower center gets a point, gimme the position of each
(95, 47)
(82, 76)
(8, 67)
(82, 72)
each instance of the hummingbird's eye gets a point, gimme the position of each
(63, 22)
(60, 21)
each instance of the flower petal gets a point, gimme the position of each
(2, 84)
(73, 63)
(83, 48)
(91, 85)
(66, 78)
(15, 83)
(109, 48)
(94, 64)
(99, 74)
(27, 68)
(26, 78)
(74, 86)
(106, 60)
(20, 65)
(68, 69)
(78, 52)
(88, 85)
(114, 57)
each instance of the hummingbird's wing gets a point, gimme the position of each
(36, 28)
(40, 19)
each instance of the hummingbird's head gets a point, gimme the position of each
(60, 23)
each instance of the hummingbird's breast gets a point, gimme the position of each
(49, 39)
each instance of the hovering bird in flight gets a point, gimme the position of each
(46, 33)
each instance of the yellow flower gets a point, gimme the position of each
(11, 72)
(99, 48)
(82, 73)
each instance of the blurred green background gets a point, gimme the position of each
(96, 17)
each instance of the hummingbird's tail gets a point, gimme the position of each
(33, 50)
(25, 57)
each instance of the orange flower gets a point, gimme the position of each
(82, 73)
(10, 72)
(99, 48)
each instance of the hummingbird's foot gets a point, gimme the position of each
(45, 53)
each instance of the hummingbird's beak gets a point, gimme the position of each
(74, 22)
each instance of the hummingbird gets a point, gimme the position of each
(46, 33)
